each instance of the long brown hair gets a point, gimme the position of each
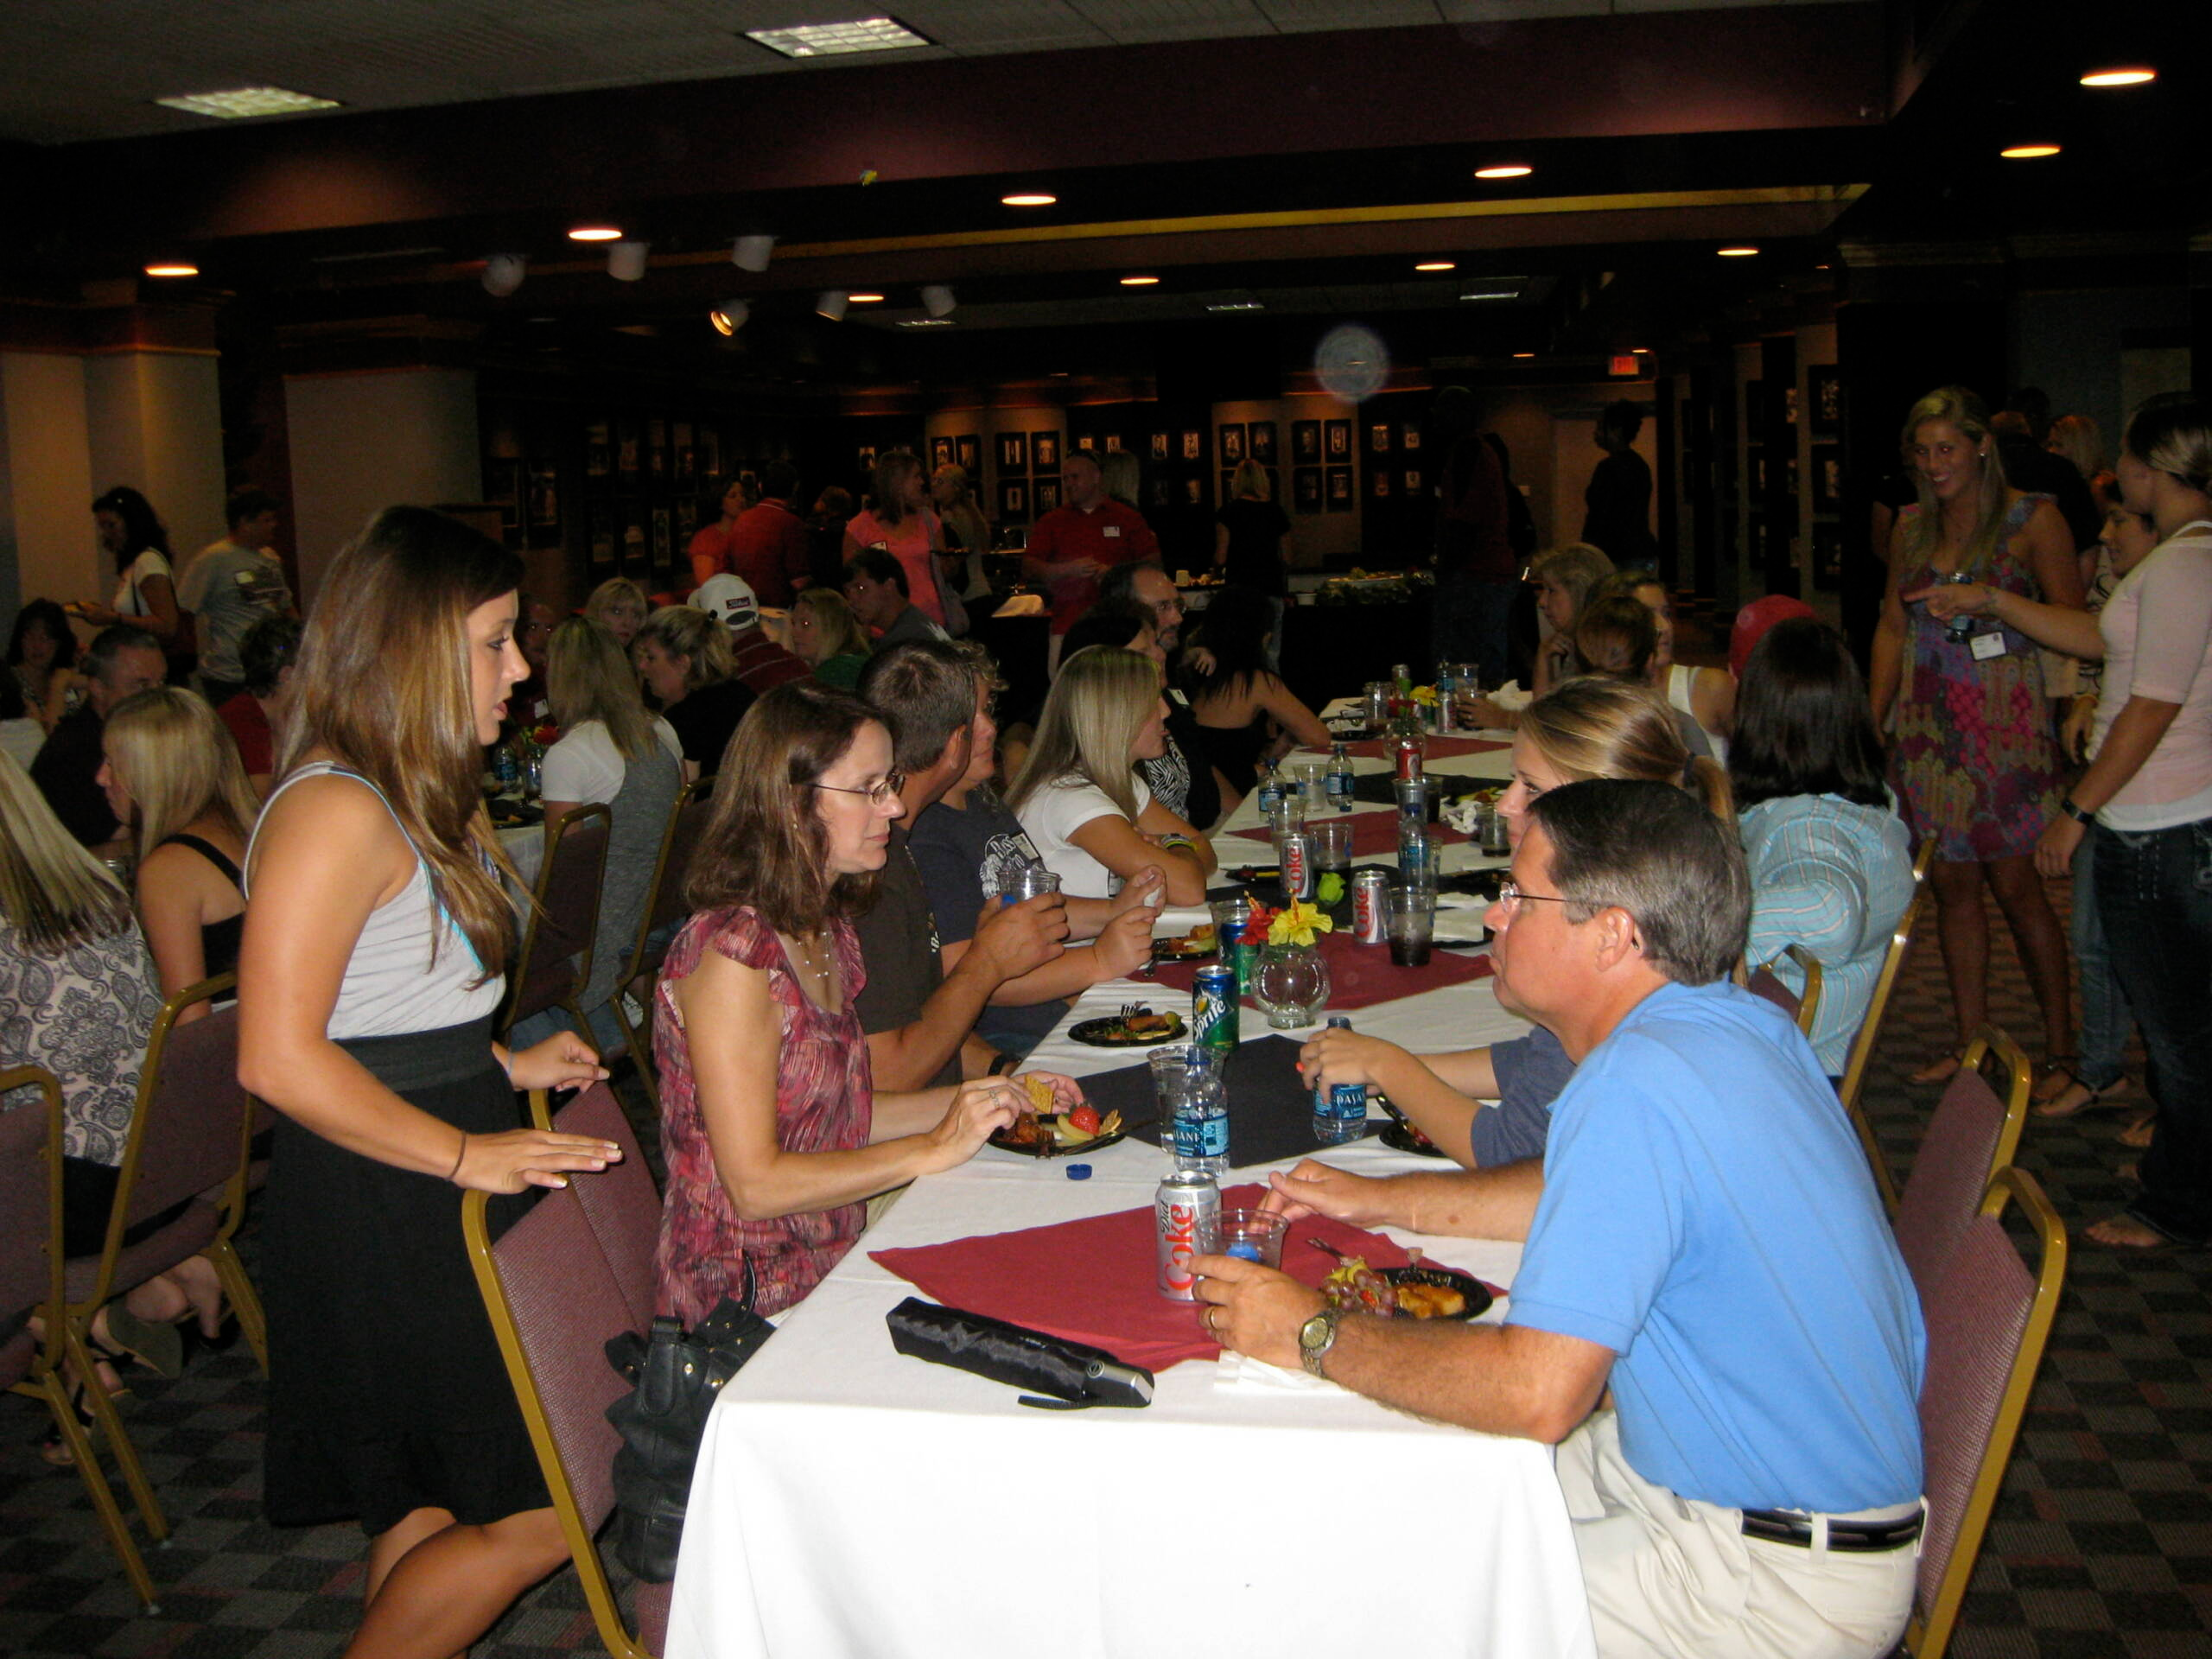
(1591, 728)
(384, 684)
(764, 845)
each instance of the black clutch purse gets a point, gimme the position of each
(1072, 1374)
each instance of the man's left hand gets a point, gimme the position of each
(1253, 1310)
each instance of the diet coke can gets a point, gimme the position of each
(1369, 925)
(1186, 1215)
(1294, 851)
(1408, 756)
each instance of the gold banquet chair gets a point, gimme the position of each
(1988, 1318)
(664, 908)
(554, 964)
(31, 1283)
(1802, 1007)
(1870, 1028)
(575, 1271)
(1972, 1135)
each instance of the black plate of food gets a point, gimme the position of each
(1041, 1134)
(1193, 946)
(1426, 1292)
(1142, 1029)
(1401, 1136)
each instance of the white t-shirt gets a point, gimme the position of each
(128, 601)
(1052, 817)
(586, 767)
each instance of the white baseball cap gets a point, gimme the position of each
(730, 598)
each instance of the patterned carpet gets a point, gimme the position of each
(2101, 1544)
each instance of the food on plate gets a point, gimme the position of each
(1145, 1023)
(1077, 1128)
(1357, 1288)
(1137, 1027)
(1420, 1301)
(1084, 1120)
(1041, 1092)
(1199, 942)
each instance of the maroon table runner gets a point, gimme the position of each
(1360, 975)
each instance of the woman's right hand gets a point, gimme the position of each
(509, 1161)
(981, 1107)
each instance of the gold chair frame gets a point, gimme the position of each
(571, 1003)
(637, 1041)
(1870, 1028)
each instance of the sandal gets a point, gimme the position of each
(2055, 1077)
(1938, 1070)
(155, 1344)
(2112, 1096)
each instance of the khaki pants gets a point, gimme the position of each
(1669, 1576)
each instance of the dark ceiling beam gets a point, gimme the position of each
(542, 159)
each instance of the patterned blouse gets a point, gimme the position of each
(824, 1096)
(85, 1015)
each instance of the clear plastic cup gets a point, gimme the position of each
(1252, 1235)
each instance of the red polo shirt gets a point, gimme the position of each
(1109, 533)
(764, 664)
(769, 548)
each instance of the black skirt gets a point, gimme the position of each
(386, 1391)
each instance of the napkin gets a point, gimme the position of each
(1096, 1281)
(1360, 975)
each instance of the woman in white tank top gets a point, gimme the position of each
(375, 937)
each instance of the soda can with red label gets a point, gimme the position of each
(1295, 852)
(1410, 756)
(1187, 1217)
(1368, 924)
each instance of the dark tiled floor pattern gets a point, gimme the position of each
(2101, 1544)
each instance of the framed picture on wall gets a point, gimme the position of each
(711, 452)
(1232, 444)
(658, 464)
(1014, 454)
(545, 495)
(1789, 405)
(1194, 445)
(1305, 489)
(1413, 480)
(503, 489)
(940, 453)
(1159, 492)
(606, 532)
(1306, 442)
(1045, 494)
(1088, 443)
(1194, 492)
(1827, 556)
(1013, 501)
(627, 460)
(1827, 478)
(865, 456)
(1378, 484)
(1825, 387)
(664, 539)
(599, 449)
(1260, 441)
(1045, 452)
(1338, 434)
(1160, 446)
(1378, 438)
(687, 454)
(1113, 443)
(637, 545)
(1408, 437)
(968, 454)
(687, 519)
(1339, 490)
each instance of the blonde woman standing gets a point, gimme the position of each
(1092, 817)
(173, 775)
(1963, 709)
(375, 952)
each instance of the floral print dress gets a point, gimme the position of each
(823, 1103)
(1971, 738)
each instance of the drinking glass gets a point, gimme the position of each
(1253, 1235)
(1410, 914)
(1331, 843)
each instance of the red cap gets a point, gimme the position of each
(1752, 622)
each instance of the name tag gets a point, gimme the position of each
(1984, 646)
(1115, 531)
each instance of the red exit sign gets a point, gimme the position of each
(1625, 365)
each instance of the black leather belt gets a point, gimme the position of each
(1780, 1527)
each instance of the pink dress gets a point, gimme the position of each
(824, 1096)
(909, 542)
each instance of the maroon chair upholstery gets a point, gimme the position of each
(1988, 1319)
(554, 960)
(1970, 1136)
(557, 1285)
(666, 907)
(31, 1286)
(1766, 983)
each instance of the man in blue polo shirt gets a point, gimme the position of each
(1708, 1246)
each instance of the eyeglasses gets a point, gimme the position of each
(878, 793)
(1510, 896)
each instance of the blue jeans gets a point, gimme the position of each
(2105, 1013)
(1469, 626)
(2154, 891)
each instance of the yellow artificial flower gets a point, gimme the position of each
(1297, 923)
(1425, 694)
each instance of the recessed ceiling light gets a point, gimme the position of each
(1436, 265)
(595, 233)
(242, 101)
(1639, 351)
(2132, 77)
(2027, 152)
(865, 298)
(925, 323)
(173, 268)
(1513, 170)
(1138, 282)
(1524, 353)
(1735, 253)
(1028, 199)
(828, 40)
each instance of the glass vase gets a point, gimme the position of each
(1291, 984)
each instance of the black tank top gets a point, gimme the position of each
(219, 941)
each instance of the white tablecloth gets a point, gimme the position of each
(849, 1501)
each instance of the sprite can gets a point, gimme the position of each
(1214, 1008)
